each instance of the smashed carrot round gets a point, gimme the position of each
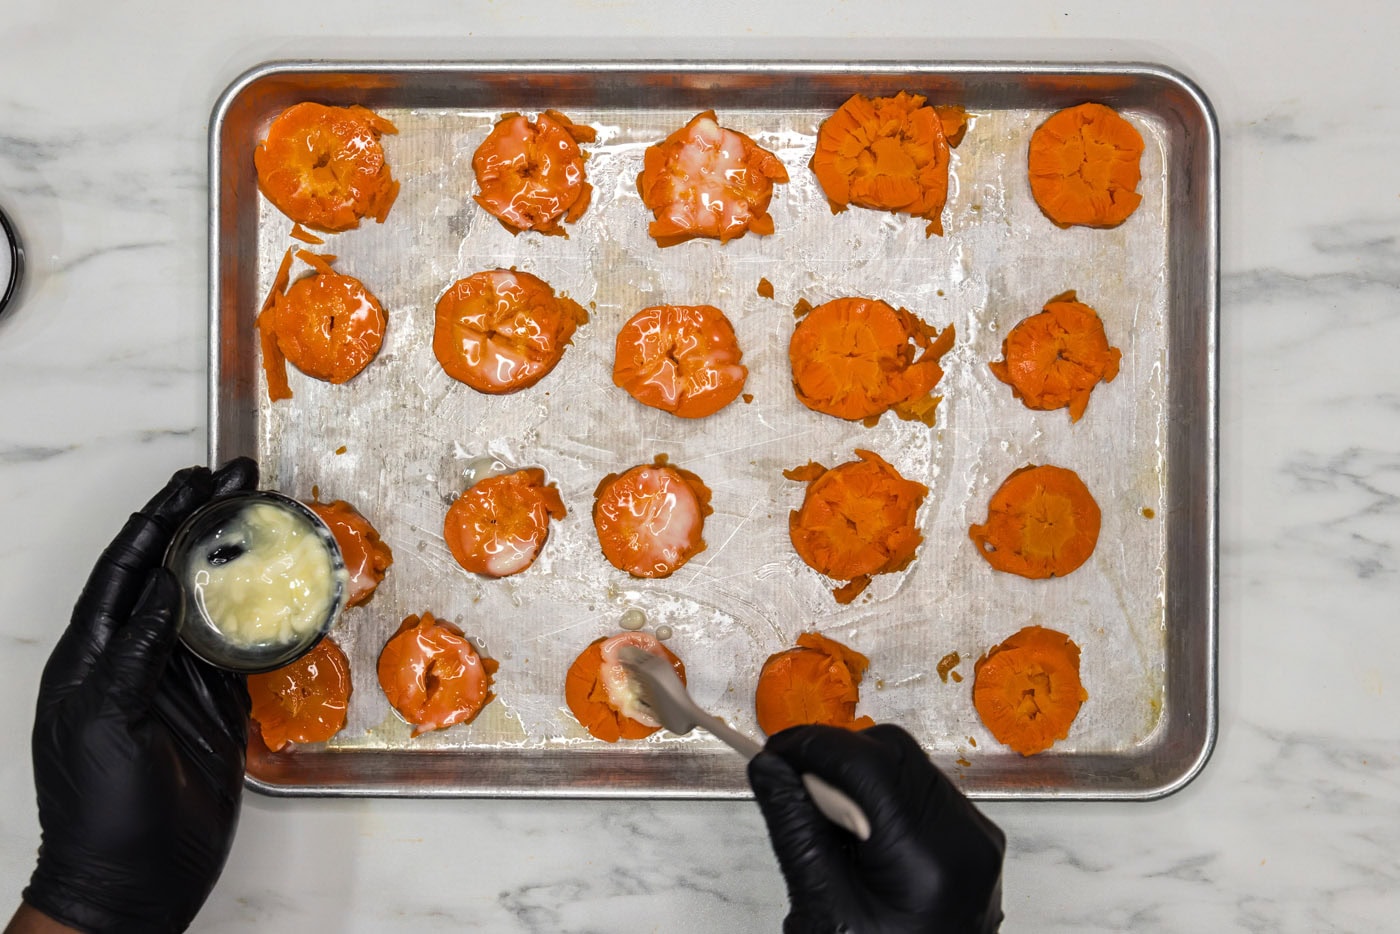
(501, 331)
(817, 682)
(682, 359)
(1027, 689)
(1041, 523)
(326, 324)
(650, 519)
(324, 166)
(856, 520)
(531, 172)
(433, 676)
(889, 154)
(366, 556)
(1085, 165)
(304, 702)
(857, 358)
(599, 692)
(1054, 359)
(707, 181)
(498, 526)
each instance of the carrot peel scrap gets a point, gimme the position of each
(274, 363)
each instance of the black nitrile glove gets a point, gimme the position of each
(932, 863)
(138, 746)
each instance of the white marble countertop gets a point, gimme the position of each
(1294, 825)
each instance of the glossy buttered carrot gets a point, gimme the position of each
(889, 154)
(433, 676)
(531, 172)
(324, 166)
(708, 181)
(857, 358)
(501, 331)
(602, 695)
(1027, 689)
(367, 557)
(1054, 359)
(650, 519)
(682, 359)
(1085, 165)
(816, 682)
(326, 324)
(498, 526)
(856, 520)
(304, 702)
(1041, 522)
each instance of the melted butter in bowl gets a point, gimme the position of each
(263, 581)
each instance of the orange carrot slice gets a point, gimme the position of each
(1027, 689)
(708, 181)
(817, 682)
(857, 358)
(501, 331)
(856, 520)
(367, 558)
(1085, 165)
(433, 676)
(326, 324)
(498, 526)
(682, 359)
(888, 154)
(1054, 359)
(531, 172)
(304, 702)
(1042, 522)
(651, 519)
(587, 692)
(324, 166)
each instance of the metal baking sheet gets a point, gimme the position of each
(1143, 609)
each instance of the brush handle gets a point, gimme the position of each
(732, 738)
(835, 805)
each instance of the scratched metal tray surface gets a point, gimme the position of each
(402, 439)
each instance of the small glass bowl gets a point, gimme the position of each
(11, 264)
(199, 633)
